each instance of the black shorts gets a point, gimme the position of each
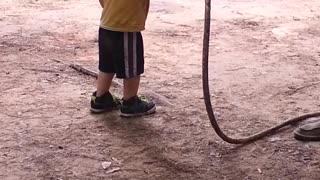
(121, 53)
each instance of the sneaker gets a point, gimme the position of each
(308, 132)
(137, 106)
(104, 103)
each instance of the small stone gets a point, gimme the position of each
(255, 52)
(296, 18)
(259, 170)
(274, 139)
(106, 165)
(215, 154)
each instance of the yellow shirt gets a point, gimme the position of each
(125, 15)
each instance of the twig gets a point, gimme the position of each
(15, 116)
(59, 61)
(236, 69)
(31, 54)
(41, 70)
(91, 73)
(259, 147)
(88, 72)
(14, 15)
(83, 70)
(78, 68)
(293, 91)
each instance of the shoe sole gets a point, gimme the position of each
(99, 111)
(151, 111)
(302, 137)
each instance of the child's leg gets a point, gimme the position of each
(131, 87)
(104, 82)
(102, 100)
(130, 66)
(106, 62)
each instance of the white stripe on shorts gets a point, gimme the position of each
(126, 53)
(135, 72)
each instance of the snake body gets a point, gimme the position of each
(206, 92)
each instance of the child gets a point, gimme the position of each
(121, 53)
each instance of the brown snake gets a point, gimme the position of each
(206, 91)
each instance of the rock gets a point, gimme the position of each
(275, 139)
(106, 165)
(259, 170)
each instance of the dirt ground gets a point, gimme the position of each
(265, 63)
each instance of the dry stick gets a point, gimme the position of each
(59, 61)
(31, 54)
(41, 70)
(88, 72)
(293, 91)
(29, 50)
(236, 69)
(83, 70)
(95, 75)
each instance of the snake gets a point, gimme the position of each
(207, 96)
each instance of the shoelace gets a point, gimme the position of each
(143, 98)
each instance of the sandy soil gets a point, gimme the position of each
(265, 61)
